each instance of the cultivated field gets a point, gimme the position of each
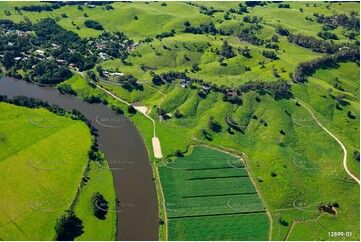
(209, 185)
(295, 164)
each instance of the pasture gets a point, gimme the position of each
(36, 150)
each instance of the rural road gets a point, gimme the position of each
(157, 151)
(344, 161)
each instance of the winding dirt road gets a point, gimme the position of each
(344, 161)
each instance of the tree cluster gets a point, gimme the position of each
(312, 43)
(93, 25)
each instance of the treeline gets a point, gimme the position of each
(31, 102)
(279, 89)
(283, 5)
(202, 29)
(305, 69)
(10, 25)
(168, 77)
(165, 35)
(312, 43)
(327, 35)
(40, 8)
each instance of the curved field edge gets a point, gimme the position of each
(29, 145)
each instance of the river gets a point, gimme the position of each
(125, 151)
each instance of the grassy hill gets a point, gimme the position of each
(295, 164)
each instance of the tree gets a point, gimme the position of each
(178, 114)
(99, 205)
(195, 67)
(227, 51)
(8, 60)
(131, 109)
(68, 226)
(178, 153)
(187, 23)
(213, 125)
(356, 155)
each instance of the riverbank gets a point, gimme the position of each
(128, 159)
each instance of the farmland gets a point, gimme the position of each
(244, 101)
(33, 142)
(210, 183)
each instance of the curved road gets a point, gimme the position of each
(333, 136)
(157, 150)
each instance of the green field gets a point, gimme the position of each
(45, 146)
(37, 149)
(295, 164)
(208, 183)
(234, 227)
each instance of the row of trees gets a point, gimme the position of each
(312, 43)
(305, 69)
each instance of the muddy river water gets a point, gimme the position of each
(125, 151)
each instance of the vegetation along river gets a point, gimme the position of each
(125, 151)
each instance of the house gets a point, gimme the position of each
(55, 46)
(17, 58)
(72, 64)
(40, 52)
(231, 93)
(184, 83)
(116, 74)
(60, 60)
(135, 45)
(206, 88)
(105, 73)
(103, 56)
